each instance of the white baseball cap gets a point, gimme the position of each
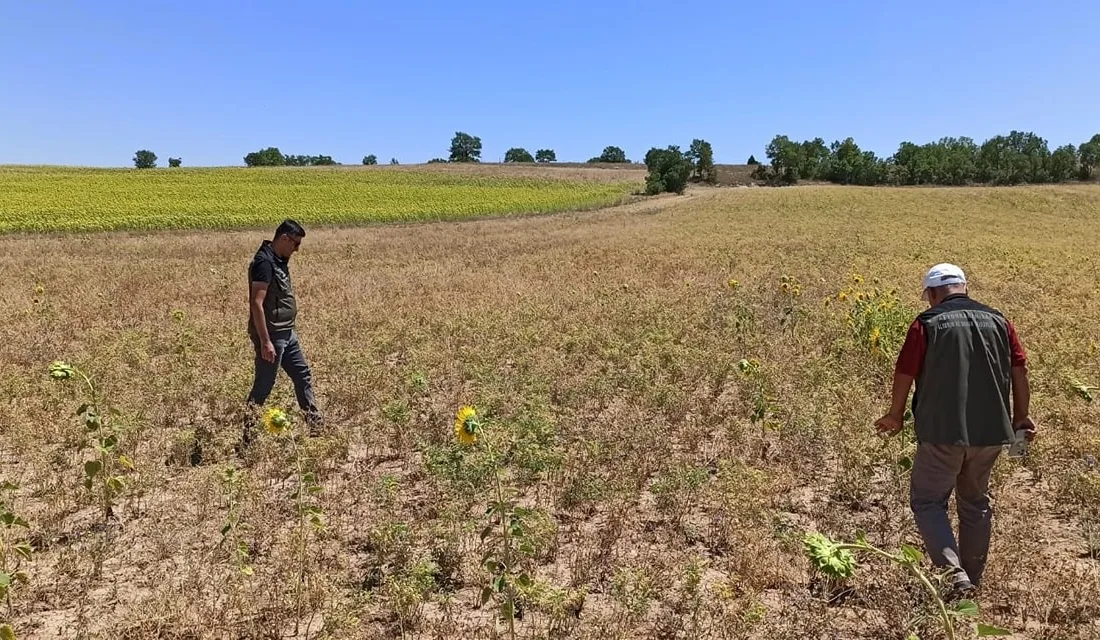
(942, 275)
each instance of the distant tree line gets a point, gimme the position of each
(146, 159)
(1017, 158)
(669, 169)
(272, 157)
(464, 148)
(309, 161)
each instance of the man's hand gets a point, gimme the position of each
(889, 424)
(1027, 425)
(267, 351)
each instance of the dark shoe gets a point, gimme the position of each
(316, 424)
(249, 425)
(960, 590)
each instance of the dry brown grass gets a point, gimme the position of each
(607, 344)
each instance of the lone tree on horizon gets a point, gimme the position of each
(145, 159)
(465, 148)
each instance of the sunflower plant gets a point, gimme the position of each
(836, 560)
(790, 291)
(311, 518)
(104, 472)
(877, 318)
(505, 533)
(14, 551)
(235, 528)
(761, 399)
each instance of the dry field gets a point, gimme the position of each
(664, 485)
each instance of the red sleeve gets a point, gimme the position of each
(1019, 357)
(912, 352)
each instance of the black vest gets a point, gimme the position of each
(963, 389)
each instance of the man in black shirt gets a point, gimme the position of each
(272, 312)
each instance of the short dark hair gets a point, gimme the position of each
(290, 227)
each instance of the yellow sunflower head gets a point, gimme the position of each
(276, 422)
(842, 296)
(858, 279)
(734, 284)
(467, 425)
(876, 335)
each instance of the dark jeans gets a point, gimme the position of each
(288, 354)
(937, 471)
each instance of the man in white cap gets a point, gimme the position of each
(964, 357)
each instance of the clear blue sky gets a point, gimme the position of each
(88, 83)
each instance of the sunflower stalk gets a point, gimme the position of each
(14, 551)
(102, 436)
(835, 560)
(908, 561)
(301, 533)
(500, 562)
(505, 526)
(310, 515)
(234, 527)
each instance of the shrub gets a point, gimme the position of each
(669, 170)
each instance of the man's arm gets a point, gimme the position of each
(259, 320)
(900, 394)
(908, 366)
(1021, 388)
(1021, 398)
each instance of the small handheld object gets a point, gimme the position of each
(1018, 448)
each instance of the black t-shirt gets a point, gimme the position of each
(262, 271)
